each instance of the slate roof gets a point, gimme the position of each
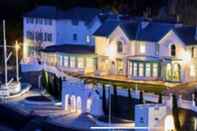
(154, 31)
(70, 49)
(50, 12)
(76, 13)
(107, 28)
(187, 34)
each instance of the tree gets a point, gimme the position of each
(160, 98)
(141, 100)
(175, 112)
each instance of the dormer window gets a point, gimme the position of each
(119, 47)
(173, 50)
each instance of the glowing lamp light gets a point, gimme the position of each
(17, 47)
(186, 57)
(169, 123)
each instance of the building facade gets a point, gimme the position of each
(75, 40)
(147, 51)
(47, 25)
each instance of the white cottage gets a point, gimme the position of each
(147, 50)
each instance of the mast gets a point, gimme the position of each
(5, 53)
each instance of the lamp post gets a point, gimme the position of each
(17, 47)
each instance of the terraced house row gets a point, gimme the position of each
(98, 42)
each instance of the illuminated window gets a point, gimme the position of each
(141, 69)
(134, 69)
(173, 50)
(155, 70)
(61, 60)
(119, 47)
(80, 62)
(148, 70)
(142, 48)
(89, 62)
(130, 68)
(66, 61)
(192, 71)
(72, 62)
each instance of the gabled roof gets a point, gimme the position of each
(107, 28)
(187, 34)
(50, 12)
(154, 31)
(70, 49)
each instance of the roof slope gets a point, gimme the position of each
(76, 13)
(50, 12)
(107, 28)
(187, 34)
(70, 49)
(154, 31)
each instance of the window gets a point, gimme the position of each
(27, 20)
(48, 37)
(72, 62)
(50, 22)
(142, 48)
(40, 21)
(88, 39)
(148, 70)
(75, 36)
(66, 61)
(155, 70)
(30, 35)
(39, 36)
(192, 71)
(173, 50)
(134, 69)
(47, 21)
(89, 62)
(141, 69)
(130, 68)
(157, 49)
(119, 47)
(80, 62)
(37, 21)
(60, 60)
